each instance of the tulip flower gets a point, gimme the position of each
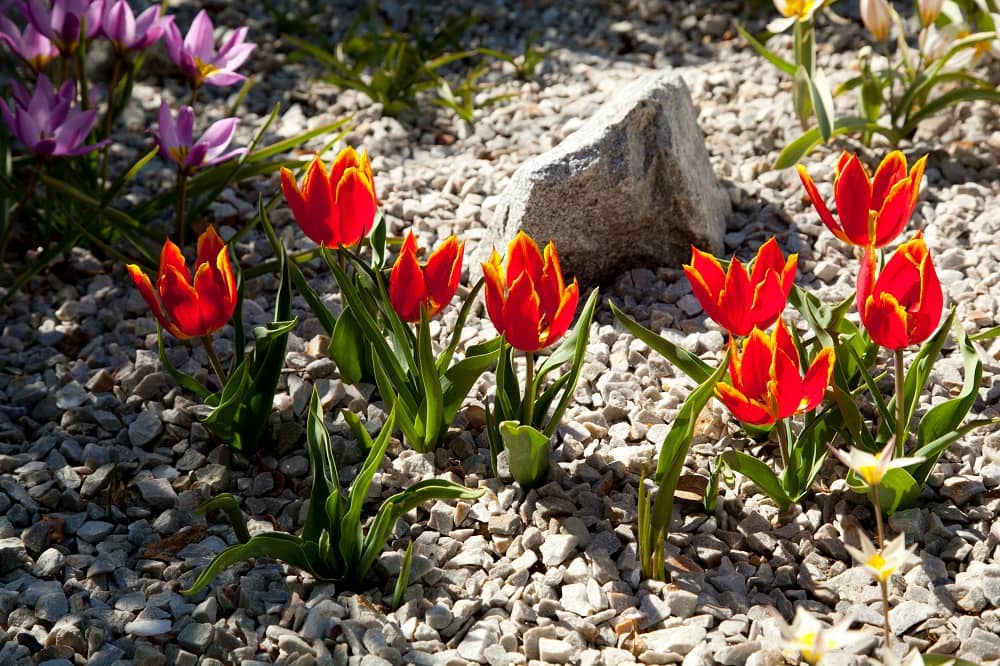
(335, 209)
(929, 11)
(196, 55)
(903, 305)
(413, 288)
(877, 17)
(185, 307)
(873, 212)
(872, 467)
(738, 301)
(792, 11)
(62, 21)
(812, 639)
(31, 46)
(177, 144)
(130, 33)
(767, 382)
(49, 122)
(884, 562)
(529, 304)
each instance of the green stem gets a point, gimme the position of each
(901, 424)
(181, 202)
(781, 427)
(109, 116)
(206, 340)
(528, 406)
(886, 633)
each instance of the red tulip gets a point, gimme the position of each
(186, 308)
(903, 305)
(335, 209)
(737, 301)
(530, 305)
(431, 287)
(872, 211)
(767, 380)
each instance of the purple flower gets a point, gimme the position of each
(130, 33)
(61, 20)
(49, 122)
(177, 144)
(195, 53)
(30, 46)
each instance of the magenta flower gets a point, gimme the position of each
(130, 33)
(177, 144)
(195, 54)
(31, 46)
(61, 20)
(49, 122)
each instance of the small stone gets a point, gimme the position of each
(148, 627)
(49, 563)
(555, 651)
(909, 614)
(144, 429)
(51, 606)
(482, 634)
(196, 637)
(682, 603)
(12, 554)
(557, 548)
(679, 640)
(438, 616)
(505, 524)
(158, 493)
(206, 611)
(960, 489)
(94, 531)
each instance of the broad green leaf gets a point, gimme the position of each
(433, 399)
(459, 378)
(347, 346)
(324, 470)
(226, 502)
(403, 580)
(277, 545)
(711, 498)
(802, 98)
(397, 505)
(947, 99)
(898, 490)
(757, 471)
(793, 153)
(222, 421)
(685, 361)
(528, 453)
(351, 534)
(988, 334)
(580, 336)
(293, 142)
(822, 102)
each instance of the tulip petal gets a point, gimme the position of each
(347, 158)
(209, 246)
(563, 316)
(523, 256)
(180, 299)
(356, 207)
(853, 193)
(495, 288)
(784, 390)
(737, 300)
(551, 285)
(817, 379)
(885, 320)
(707, 283)
(213, 292)
(743, 408)
(312, 206)
(152, 300)
(754, 366)
(821, 208)
(407, 289)
(889, 172)
(866, 279)
(443, 272)
(894, 214)
(522, 315)
(172, 257)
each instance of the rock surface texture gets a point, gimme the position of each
(632, 187)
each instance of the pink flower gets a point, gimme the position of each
(31, 46)
(130, 33)
(49, 122)
(177, 144)
(61, 20)
(197, 57)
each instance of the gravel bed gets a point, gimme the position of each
(102, 461)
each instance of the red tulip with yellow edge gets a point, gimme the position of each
(872, 211)
(431, 287)
(767, 380)
(903, 305)
(191, 308)
(335, 208)
(530, 303)
(738, 301)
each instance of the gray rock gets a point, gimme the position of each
(909, 614)
(196, 637)
(145, 429)
(145, 626)
(51, 606)
(639, 163)
(93, 531)
(12, 554)
(557, 548)
(158, 493)
(960, 489)
(49, 563)
(679, 640)
(481, 635)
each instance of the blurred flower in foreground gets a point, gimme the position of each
(31, 46)
(185, 307)
(877, 17)
(412, 287)
(49, 122)
(63, 19)
(880, 563)
(811, 639)
(197, 57)
(177, 144)
(335, 209)
(792, 11)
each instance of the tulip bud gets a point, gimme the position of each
(876, 15)
(929, 10)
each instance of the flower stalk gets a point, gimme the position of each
(901, 425)
(206, 341)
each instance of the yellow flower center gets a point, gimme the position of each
(800, 9)
(205, 69)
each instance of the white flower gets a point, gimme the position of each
(872, 467)
(811, 639)
(884, 562)
(792, 11)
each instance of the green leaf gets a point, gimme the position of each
(347, 347)
(324, 470)
(898, 490)
(456, 336)
(397, 505)
(292, 142)
(802, 96)
(580, 335)
(757, 471)
(278, 545)
(711, 498)
(226, 502)
(222, 421)
(433, 398)
(770, 56)
(351, 535)
(403, 580)
(459, 378)
(685, 361)
(793, 153)
(988, 334)
(822, 103)
(947, 99)
(528, 453)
